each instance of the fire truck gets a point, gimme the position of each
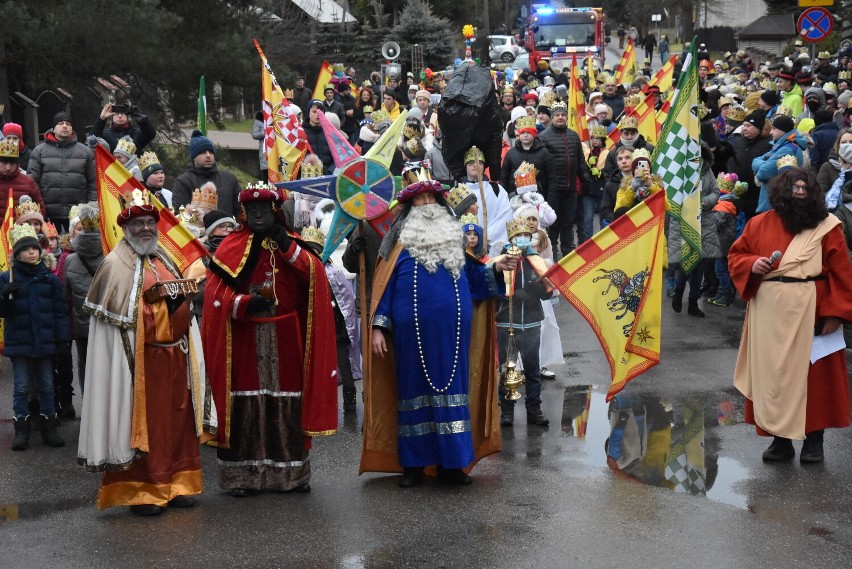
(561, 33)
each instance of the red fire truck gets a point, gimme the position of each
(560, 33)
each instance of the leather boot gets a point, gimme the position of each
(22, 433)
(349, 399)
(677, 298)
(693, 309)
(48, 432)
(780, 449)
(812, 448)
(411, 477)
(536, 417)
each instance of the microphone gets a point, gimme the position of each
(775, 257)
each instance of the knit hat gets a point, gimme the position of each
(199, 143)
(214, 219)
(125, 147)
(60, 117)
(14, 129)
(783, 123)
(422, 93)
(517, 113)
(756, 118)
(27, 210)
(770, 98)
(843, 99)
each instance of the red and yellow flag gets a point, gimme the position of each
(626, 69)
(326, 72)
(577, 103)
(6, 251)
(115, 181)
(615, 281)
(284, 141)
(664, 78)
(647, 118)
(590, 73)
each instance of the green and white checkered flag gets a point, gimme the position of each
(677, 160)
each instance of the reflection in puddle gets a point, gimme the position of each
(33, 510)
(669, 444)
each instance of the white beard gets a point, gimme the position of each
(143, 249)
(434, 237)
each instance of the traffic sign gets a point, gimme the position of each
(815, 24)
(812, 3)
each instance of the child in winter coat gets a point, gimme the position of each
(36, 316)
(725, 217)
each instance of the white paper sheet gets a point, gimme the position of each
(827, 344)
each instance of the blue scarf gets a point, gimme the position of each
(832, 197)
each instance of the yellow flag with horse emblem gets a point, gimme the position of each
(615, 281)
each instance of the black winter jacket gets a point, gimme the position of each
(610, 191)
(537, 155)
(65, 174)
(80, 267)
(141, 135)
(611, 165)
(227, 187)
(567, 164)
(526, 302)
(319, 145)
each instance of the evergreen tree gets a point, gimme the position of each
(419, 25)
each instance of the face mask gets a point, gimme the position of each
(813, 106)
(522, 241)
(605, 122)
(628, 143)
(216, 241)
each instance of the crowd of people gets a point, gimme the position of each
(246, 350)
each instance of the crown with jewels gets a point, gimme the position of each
(147, 159)
(737, 113)
(189, 216)
(126, 146)
(632, 101)
(518, 226)
(547, 99)
(261, 191)
(311, 170)
(525, 175)
(21, 230)
(628, 122)
(460, 198)
(311, 234)
(472, 154)
(508, 90)
(524, 122)
(468, 219)
(138, 198)
(206, 198)
(9, 148)
(27, 207)
(787, 161)
(598, 132)
(559, 107)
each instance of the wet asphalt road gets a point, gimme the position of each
(548, 500)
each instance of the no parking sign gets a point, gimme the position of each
(815, 24)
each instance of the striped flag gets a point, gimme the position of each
(590, 71)
(577, 103)
(115, 181)
(615, 281)
(201, 119)
(284, 141)
(647, 118)
(6, 251)
(665, 76)
(677, 160)
(626, 69)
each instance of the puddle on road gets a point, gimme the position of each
(669, 443)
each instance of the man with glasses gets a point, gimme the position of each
(144, 411)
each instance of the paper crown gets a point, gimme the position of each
(460, 199)
(844, 75)
(413, 128)
(49, 230)
(787, 161)
(607, 79)
(261, 191)
(518, 226)
(640, 154)
(311, 234)
(380, 116)
(559, 107)
(547, 99)
(532, 83)
(632, 101)
(525, 176)
(524, 122)
(327, 87)
(598, 131)
(830, 88)
(366, 109)
(823, 55)
(784, 110)
(472, 154)
(9, 148)
(311, 170)
(702, 110)
(737, 113)
(148, 159)
(468, 219)
(27, 209)
(628, 122)
(206, 198)
(508, 90)
(21, 230)
(338, 67)
(137, 197)
(125, 146)
(89, 217)
(135, 204)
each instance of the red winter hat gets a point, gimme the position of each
(14, 129)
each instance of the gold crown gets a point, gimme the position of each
(9, 148)
(468, 218)
(607, 79)
(640, 154)
(367, 109)
(518, 226)
(311, 169)
(844, 75)
(784, 110)
(830, 88)
(137, 197)
(458, 195)
(787, 161)
(412, 130)
(380, 116)
(339, 67)
(823, 55)
(27, 207)
(49, 230)
(737, 113)
(148, 159)
(126, 146)
(189, 216)
(327, 87)
(206, 198)
(524, 122)
(474, 154)
(311, 234)
(703, 111)
(632, 100)
(628, 122)
(559, 107)
(366, 84)
(547, 99)
(89, 217)
(598, 132)
(532, 83)
(21, 230)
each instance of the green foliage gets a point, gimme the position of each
(419, 25)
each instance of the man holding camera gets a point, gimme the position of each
(121, 126)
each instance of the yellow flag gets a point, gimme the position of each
(626, 69)
(664, 78)
(590, 71)
(5, 250)
(577, 104)
(615, 281)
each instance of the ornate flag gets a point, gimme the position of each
(114, 181)
(201, 119)
(615, 281)
(677, 160)
(284, 139)
(577, 103)
(665, 76)
(626, 69)
(6, 250)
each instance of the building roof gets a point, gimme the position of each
(325, 11)
(771, 26)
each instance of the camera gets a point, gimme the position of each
(120, 109)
